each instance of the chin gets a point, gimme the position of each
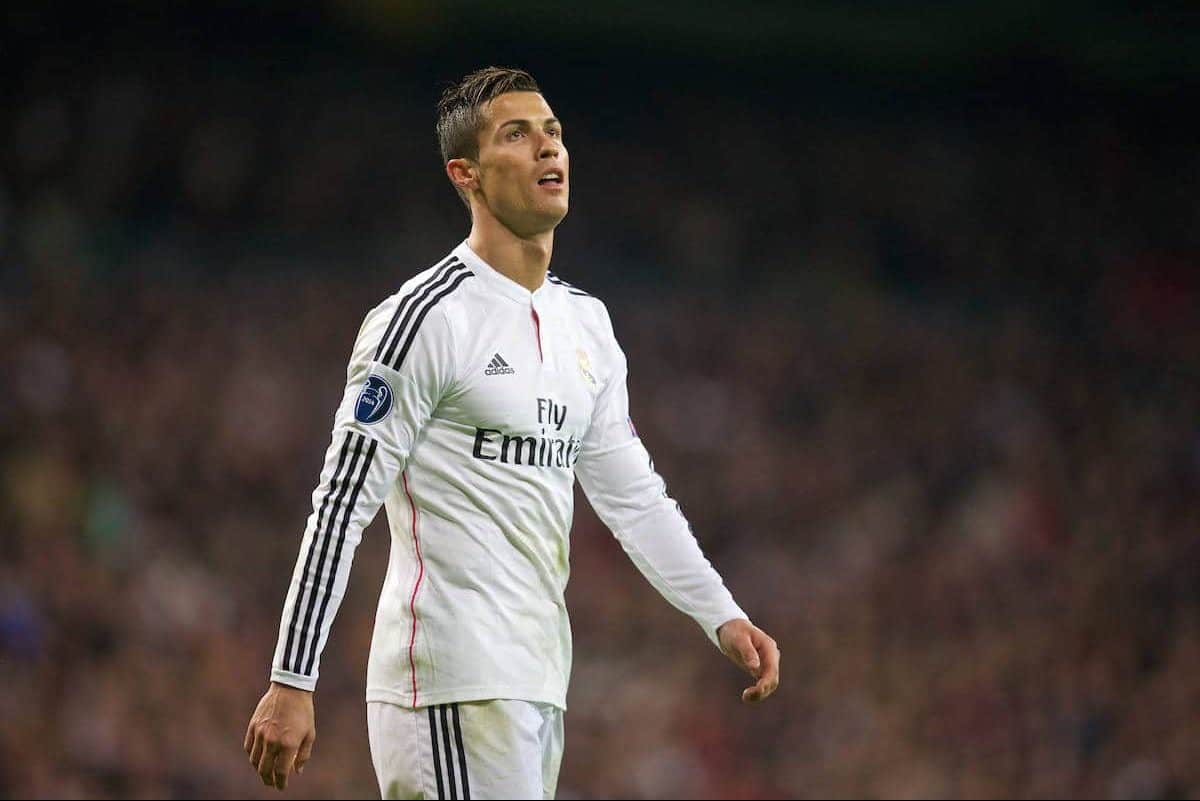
(551, 214)
(534, 220)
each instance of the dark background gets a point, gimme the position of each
(909, 293)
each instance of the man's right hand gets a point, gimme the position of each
(281, 734)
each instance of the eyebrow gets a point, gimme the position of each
(549, 121)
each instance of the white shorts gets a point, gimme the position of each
(481, 749)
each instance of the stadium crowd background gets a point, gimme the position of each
(919, 357)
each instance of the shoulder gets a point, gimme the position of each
(423, 305)
(598, 337)
(427, 289)
(587, 307)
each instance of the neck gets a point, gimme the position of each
(524, 259)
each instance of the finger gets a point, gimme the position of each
(256, 750)
(748, 655)
(768, 676)
(266, 768)
(283, 767)
(762, 688)
(770, 657)
(305, 751)
(757, 693)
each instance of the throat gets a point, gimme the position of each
(524, 260)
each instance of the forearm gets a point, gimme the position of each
(354, 482)
(632, 501)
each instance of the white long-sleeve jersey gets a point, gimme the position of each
(471, 405)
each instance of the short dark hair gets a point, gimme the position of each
(460, 110)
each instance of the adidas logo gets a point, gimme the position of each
(497, 366)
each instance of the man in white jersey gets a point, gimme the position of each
(475, 396)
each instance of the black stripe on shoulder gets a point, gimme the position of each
(412, 328)
(405, 302)
(574, 290)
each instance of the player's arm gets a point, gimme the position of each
(399, 369)
(618, 476)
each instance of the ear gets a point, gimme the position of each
(463, 173)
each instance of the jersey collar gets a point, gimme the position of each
(498, 280)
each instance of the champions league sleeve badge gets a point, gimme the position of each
(374, 402)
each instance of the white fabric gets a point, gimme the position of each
(478, 750)
(496, 399)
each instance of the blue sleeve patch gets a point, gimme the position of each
(374, 402)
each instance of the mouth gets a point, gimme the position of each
(553, 177)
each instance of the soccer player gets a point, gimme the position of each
(475, 396)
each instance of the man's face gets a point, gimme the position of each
(523, 164)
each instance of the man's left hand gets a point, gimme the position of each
(753, 651)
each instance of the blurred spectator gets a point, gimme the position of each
(926, 387)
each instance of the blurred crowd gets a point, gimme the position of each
(925, 383)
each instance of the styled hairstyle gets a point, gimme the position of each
(460, 110)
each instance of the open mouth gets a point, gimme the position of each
(551, 178)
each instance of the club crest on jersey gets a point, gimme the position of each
(374, 402)
(585, 367)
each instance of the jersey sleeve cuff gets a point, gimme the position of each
(294, 679)
(733, 612)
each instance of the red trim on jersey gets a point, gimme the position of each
(413, 600)
(537, 330)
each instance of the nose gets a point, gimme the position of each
(549, 148)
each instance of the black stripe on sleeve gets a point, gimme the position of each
(427, 288)
(462, 752)
(312, 598)
(337, 553)
(312, 546)
(437, 760)
(449, 753)
(407, 299)
(412, 333)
